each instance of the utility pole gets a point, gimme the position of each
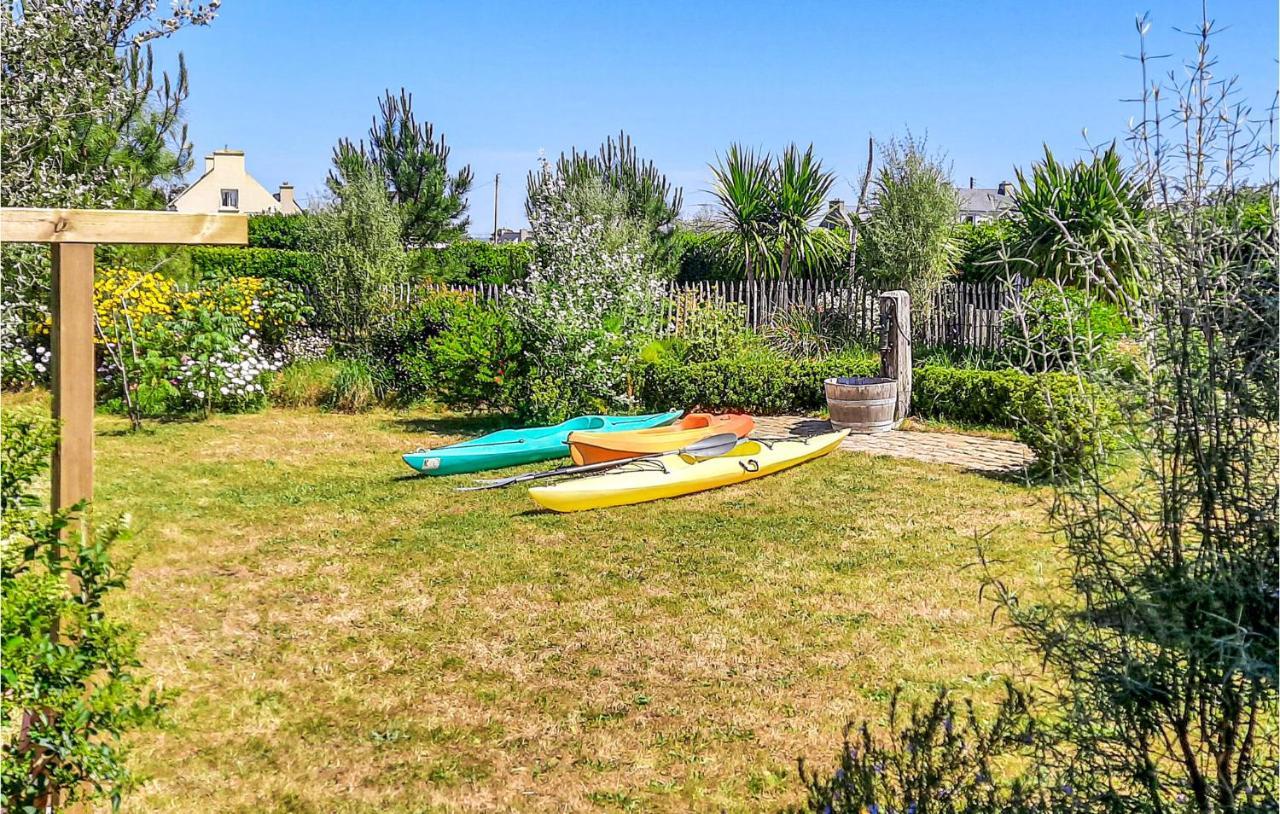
(496, 176)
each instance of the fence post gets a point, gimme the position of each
(895, 347)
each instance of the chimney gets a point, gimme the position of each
(285, 197)
(1006, 188)
(970, 182)
(208, 163)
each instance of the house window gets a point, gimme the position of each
(230, 199)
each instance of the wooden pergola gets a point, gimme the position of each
(71, 235)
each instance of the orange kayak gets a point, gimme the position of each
(599, 447)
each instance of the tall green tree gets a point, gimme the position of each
(909, 236)
(414, 166)
(800, 190)
(357, 238)
(87, 120)
(647, 195)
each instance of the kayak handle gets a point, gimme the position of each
(750, 465)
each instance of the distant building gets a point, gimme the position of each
(978, 205)
(513, 235)
(837, 216)
(226, 186)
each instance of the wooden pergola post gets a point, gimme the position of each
(72, 235)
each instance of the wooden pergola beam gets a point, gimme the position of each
(120, 226)
(72, 235)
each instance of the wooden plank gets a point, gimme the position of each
(72, 372)
(87, 226)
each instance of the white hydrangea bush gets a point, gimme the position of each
(232, 378)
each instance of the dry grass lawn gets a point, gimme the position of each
(348, 638)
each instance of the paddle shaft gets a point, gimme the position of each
(709, 447)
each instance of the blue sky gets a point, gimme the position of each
(988, 82)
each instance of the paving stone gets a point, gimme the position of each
(967, 451)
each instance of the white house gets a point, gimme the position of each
(227, 186)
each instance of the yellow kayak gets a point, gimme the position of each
(673, 475)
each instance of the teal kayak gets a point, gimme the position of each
(524, 446)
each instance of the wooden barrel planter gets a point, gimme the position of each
(862, 404)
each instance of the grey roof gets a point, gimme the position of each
(983, 201)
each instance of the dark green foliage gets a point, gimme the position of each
(474, 362)
(276, 231)
(70, 687)
(1067, 212)
(760, 382)
(1061, 328)
(981, 248)
(414, 166)
(212, 262)
(647, 194)
(695, 257)
(393, 348)
(942, 760)
(468, 262)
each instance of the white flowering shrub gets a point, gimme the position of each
(230, 378)
(589, 303)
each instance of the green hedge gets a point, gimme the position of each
(276, 264)
(473, 261)
(756, 383)
(1066, 423)
(276, 231)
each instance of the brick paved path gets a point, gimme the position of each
(967, 451)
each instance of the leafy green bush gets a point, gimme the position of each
(695, 257)
(353, 389)
(474, 362)
(1061, 329)
(277, 231)
(759, 382)
(213, 262)
(469, 262)
(400, 339)
(70, 695)
(304, 384)
(979, 249)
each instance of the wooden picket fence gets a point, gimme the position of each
(964, 315)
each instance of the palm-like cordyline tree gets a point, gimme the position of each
(744, 225)
(799, 193)
(767, 209)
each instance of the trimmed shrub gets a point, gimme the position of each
(1064, 420)
(276, 231)
(762, 383)
(276, 264)
(470, 262)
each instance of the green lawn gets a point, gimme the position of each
(346, 637)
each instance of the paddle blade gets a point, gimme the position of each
(713, 446)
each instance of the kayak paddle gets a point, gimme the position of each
(710, 447)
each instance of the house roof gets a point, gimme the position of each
(983, 201)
